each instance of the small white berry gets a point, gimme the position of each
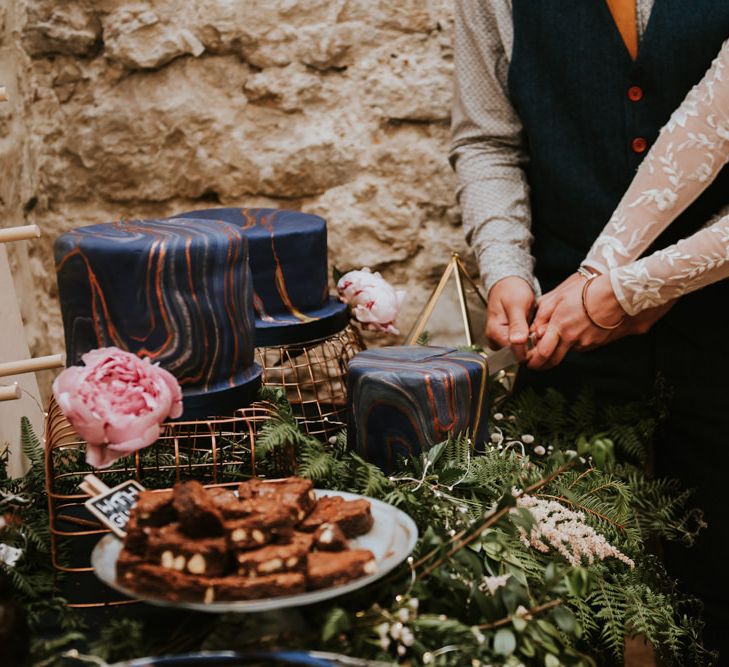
(527, 439)
(539, 450)
(498, 416)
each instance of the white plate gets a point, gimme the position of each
(391, 540)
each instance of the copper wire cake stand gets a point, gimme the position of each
(313, 376)
(216, 451)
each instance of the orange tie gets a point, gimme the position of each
(623, 12)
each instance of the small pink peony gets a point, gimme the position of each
(374, 302)
(116, 402)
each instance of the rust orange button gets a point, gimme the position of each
(639, 145)
(635, 93)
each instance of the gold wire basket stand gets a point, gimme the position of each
(215, 451)
(313, 376)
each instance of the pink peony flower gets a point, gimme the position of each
(116, 402)
(374, 302)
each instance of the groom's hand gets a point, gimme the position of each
(510, 302)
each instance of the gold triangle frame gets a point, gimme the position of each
(457, 269)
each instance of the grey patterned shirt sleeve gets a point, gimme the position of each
(487, 148)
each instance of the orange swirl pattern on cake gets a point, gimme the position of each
(404, 400)
(176, 291)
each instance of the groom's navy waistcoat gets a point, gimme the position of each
(590, 113)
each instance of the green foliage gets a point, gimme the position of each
(475, 590)
(24, 508)
(423, 338)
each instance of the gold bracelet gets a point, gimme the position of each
(587, 310)
(587, 272)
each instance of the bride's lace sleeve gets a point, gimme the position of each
(690, 151)
(699, 260)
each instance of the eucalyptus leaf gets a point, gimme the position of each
(504, 641)
(565, 619)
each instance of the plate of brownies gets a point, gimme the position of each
(264, 545)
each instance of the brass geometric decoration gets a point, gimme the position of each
(455, 312)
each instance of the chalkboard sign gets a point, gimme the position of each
(112, 506)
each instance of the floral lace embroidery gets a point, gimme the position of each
(689, 153)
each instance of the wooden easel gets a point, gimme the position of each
(18, 387)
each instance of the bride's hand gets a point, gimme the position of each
(561, 322)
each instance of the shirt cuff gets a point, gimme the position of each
(496, 273)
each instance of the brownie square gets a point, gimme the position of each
(352, 517)
(295, 492)
(136, 537)
(267, 522)
(255, 588)
(272, 559)
(196, 510)
(326, 568)
(154, 508)
(230, 505)
(160, 582)
(127, 561)
(329, 537)
(172, 549)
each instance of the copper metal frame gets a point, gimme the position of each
(313, 376)
(215, 451)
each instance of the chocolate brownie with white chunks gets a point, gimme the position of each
(196, 511)
(209, 545)
(290, 557)
(325, 569)
(295, 492)
(154, 508)
(268, 521)
(352, 517)
(174, 550)
(177, 586)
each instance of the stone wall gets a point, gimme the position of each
(131, 109)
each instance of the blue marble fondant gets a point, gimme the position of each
(403, 400)
(288, 254)
(176, 291)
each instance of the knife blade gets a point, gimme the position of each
(503, 358)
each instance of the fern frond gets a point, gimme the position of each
(30, 443)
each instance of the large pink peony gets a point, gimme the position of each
(116, 402)
(373, 300)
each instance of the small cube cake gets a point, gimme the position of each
(326, 569)
(352, 517)
(403, 400)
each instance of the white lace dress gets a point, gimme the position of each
(689, 153)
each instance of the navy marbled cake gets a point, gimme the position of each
(403, 400)
(176, 291)
(288, 255)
